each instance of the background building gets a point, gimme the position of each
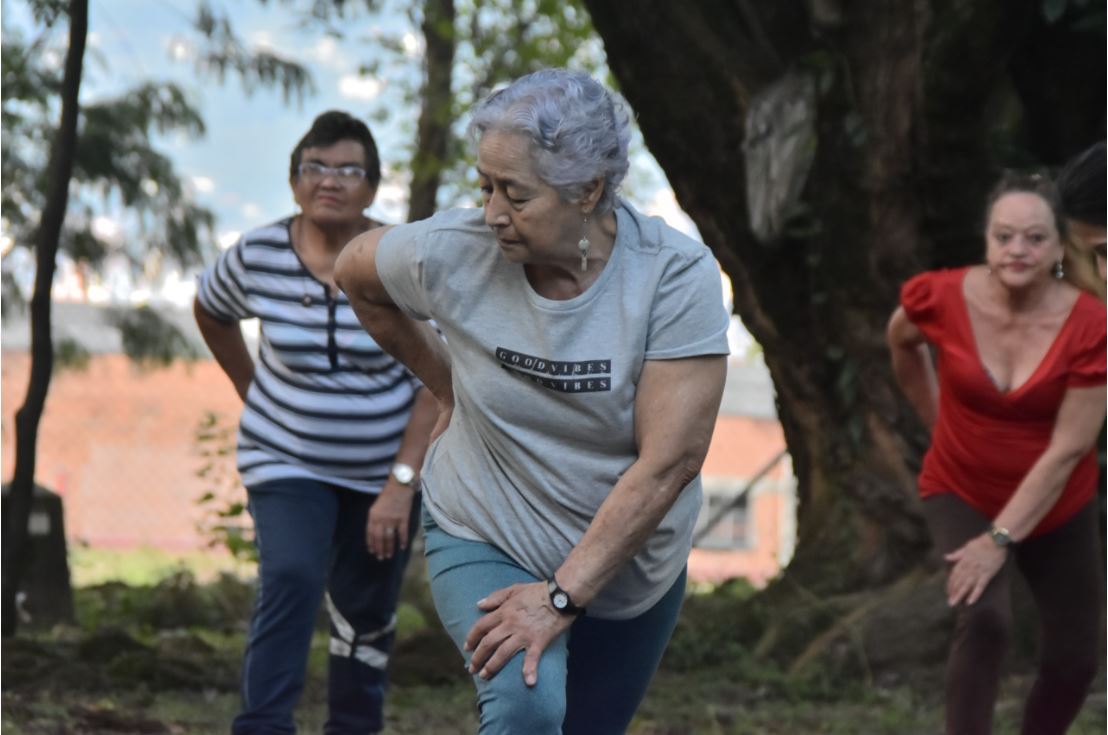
(121, 445)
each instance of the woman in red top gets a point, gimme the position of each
(1014, 409)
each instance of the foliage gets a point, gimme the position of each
(223, 51)
(146, 566)
(224, 501)
(69, 354)
(118, 166)
(496, 41)
(164, 657)
(116, 162)
(150, 339)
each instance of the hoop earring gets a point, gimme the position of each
(583, 244)
(1058, 271)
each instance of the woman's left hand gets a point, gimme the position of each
(518, 618)
(975, 565)
(386, 531)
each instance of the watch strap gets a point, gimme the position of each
(561, 601)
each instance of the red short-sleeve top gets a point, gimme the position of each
(985, 440)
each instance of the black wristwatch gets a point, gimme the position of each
(561, 601)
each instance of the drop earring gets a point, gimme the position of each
(583, 244)
(1058, 271)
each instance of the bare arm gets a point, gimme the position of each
(915, 372)
(1075, 431)
(225, 341)
(414, 343)
(675, 412)
(387, 526)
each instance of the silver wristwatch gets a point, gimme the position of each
(1000, 536)
(403, 473)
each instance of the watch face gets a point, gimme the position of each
(560, 600)
(403, 473)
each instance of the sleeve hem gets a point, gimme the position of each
(709, 346)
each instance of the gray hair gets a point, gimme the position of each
(579, 130)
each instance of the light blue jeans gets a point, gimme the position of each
(591, 679)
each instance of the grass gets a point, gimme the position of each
(160, 637)
(147, 566)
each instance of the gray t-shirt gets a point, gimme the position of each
(544, 390)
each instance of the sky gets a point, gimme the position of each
(239, 168)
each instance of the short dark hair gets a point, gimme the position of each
(1029, 183)
(331, 127)
(1081, 186)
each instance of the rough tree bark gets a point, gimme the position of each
(436, 113)
(42, 350)
(906, 99)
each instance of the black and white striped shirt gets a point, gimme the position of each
(326, 402)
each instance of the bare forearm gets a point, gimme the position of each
(227, 345)
(626, 519)
(915, 374)
(1037, 494)
(417, 435)
(675, 412)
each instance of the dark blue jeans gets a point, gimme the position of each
(310, 537)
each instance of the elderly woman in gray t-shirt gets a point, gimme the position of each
(579, 380)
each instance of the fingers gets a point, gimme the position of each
(503, 653)
(384, 538)
(531, 665)
(495, 600)
(955, 590)
(480, 662)
(387, 529)
(483, 625)
(977, 590)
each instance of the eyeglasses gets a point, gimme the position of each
(312, 171)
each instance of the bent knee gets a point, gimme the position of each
(511, 709)
(291, 582)
(985, 625)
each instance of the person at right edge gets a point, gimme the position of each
(582, 369)
(1081, 189)
(1009, 480)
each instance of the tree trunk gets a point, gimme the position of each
(436, 114)
(42, 351)
(889, 179)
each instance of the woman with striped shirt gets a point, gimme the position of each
(331, 432)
